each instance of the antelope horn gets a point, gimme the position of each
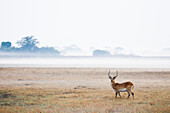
(116, 73)
(109, 74)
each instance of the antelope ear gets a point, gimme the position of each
(110, 77)
(114, 78)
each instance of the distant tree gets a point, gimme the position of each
(6, 46)
(28, 43)
(71, 50)
(101, 53)
(118, 50)
(48, 50)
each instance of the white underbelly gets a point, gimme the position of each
(122, 90)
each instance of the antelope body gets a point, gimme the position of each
(121, 87)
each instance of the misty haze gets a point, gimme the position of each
(84, 56)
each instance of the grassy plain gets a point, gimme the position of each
(82, 90)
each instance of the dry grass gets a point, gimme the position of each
(81, 100)
(82, 90)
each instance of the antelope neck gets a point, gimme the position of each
(113, 84)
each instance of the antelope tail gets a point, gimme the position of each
(132, 87)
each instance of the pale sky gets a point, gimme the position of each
(136, 25)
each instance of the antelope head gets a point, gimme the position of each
(112, 78)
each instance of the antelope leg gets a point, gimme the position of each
(116, 95)
(119, 95)
(128, 94)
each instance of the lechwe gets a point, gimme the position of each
(121, 87)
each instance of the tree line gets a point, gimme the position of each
(27, 44)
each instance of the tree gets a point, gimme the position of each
(101, 53)
(118, 50)
(48, 50)
(6, 45)
(28, 43)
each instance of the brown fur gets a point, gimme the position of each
(117, 86)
